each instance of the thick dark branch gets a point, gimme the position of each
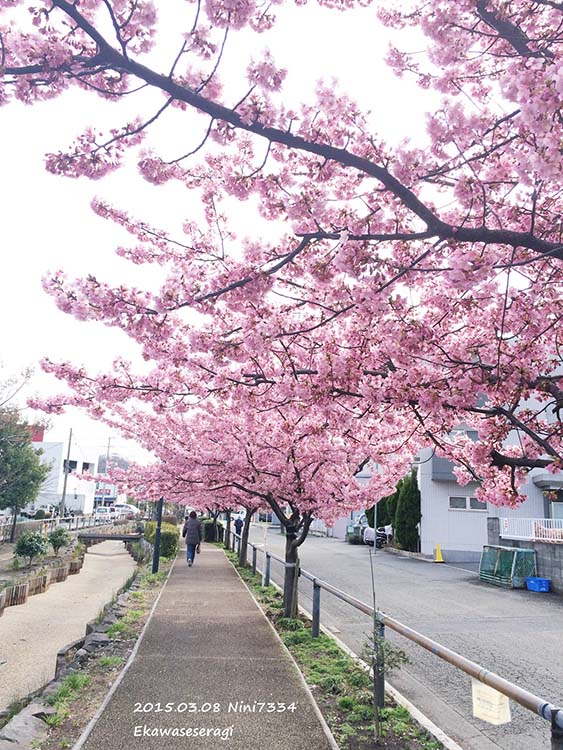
(306, 521)
(509, 32)
(513, 419)
(522, 462)
(434, 224)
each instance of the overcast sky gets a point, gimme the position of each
(47, 222)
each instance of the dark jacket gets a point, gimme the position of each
(192, 531)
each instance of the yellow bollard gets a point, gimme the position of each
(438, 555)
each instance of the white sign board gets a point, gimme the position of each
(489, 705)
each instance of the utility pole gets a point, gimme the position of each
(102, 485)
(66, 469)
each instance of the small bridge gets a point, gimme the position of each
(90, 537)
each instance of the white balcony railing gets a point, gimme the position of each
(533, 529)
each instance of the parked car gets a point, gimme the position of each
(48, 509)
(106, 512)
(127, 510)
(380, 536)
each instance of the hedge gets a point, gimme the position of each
(169, 538)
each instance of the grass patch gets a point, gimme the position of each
(149, 580)
(65, 695)
(110, 661)
(71, 686)
(118, 629)
(133, 616)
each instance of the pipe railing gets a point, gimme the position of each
(525, 698)
(71, 523)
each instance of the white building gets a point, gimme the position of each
(79, 495)
(453, 517)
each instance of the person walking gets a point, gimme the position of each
(239, 523)
(192, 533)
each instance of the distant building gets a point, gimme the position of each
(106, 492)
(79, 494)
(115, 461)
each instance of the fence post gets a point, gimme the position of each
(380, 666)
(294, 594)
(267, 570)
(556, 732)
(254, 559)
(316, 629)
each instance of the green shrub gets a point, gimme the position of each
(169, 538)
(59, 538)
(209, 528)
(407, 514)
(40, 515)
(30, 545)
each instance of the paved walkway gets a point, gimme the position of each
(32, 633)
(207, 653)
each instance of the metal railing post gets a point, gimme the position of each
(267, 569)
(316, 628)
(156, 550)
(556, 732)
(254, 559)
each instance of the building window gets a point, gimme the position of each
(466, 503)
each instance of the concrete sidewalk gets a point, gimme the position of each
(209, 672)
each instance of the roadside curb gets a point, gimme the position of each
(405, 553)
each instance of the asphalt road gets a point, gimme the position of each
(517, 634)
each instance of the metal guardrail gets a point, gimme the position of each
(539, 706)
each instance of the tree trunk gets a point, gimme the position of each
(228, 531)
(290, 584)
(14, 518)
(244, 538)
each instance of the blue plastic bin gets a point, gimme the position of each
(534, 583)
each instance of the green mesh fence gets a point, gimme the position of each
(524, 565)
(507, 566)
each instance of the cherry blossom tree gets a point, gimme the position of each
(416, 286)
(288, 460)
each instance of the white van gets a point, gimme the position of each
(103, 511)
(124, 509)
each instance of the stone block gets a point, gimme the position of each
(95, 640)
(27, 727)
